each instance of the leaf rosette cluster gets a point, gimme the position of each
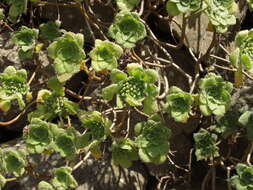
(13, 161)
(175, 7)
(179, 104)
(250, 4)
(205, 144)
(38, 135)
(221, 13)
(152, 141)
(227, 124)
(127, 29)
(65, 142)
(127, 4)
(25, 39)
(104, 55)
(51, 105)
(124, 152)
(50, 31)
(67, 53)
(215, 95)
(97, 125)
(242, 56)
(17, 8)
(63, 178)
(13, 85)
(137, 89)
(244, 178)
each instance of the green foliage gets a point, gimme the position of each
(250, 4)
(2, 181)
(13, 161)
(57, 125)
(152, 141)
(227, 124)
(244, 178)
(38, 135)
(66, 142)
(134, 89)
(67, 53)
(205, 144)
(246, 120)
(51, 105)
(17, 8)
(127, 4)
(25, 39)
(104, 55)
(12, 87)
(127, 29)
(2, 16)
(43, 185)
(50, 31)
(179, 104)
(221, 14)
(214, 97)
(97, 125)
(175, 7)
(123, 153)
(242, 56)
(63, 179)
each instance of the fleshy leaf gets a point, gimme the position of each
(127, 4)
(117, 76)
(123, 153)
(244, 178)
(50, 31)
(38, 135)
(152, 141)
(12, 87)
(179, 104)
(104, 55)
(215, 95)
(127, 29)
(63, 178)
(67, 53)
(14, 161)
(205, 144)
(175, 7)
(43, 185)
(25, 39)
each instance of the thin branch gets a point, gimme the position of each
(15, 119)
(82, 161)
(166, 88)
(177, 68)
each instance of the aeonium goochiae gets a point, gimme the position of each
(179, 104)
(13, 86)
(152, 140)
(135, 88)
(219, 12)
(127, 29)
(242, 56)
(215, 95)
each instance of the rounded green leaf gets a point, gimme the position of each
(109, 91)
(43, 185)
(127, 29)
(117, 76)
(172, 9)
(63, 178)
